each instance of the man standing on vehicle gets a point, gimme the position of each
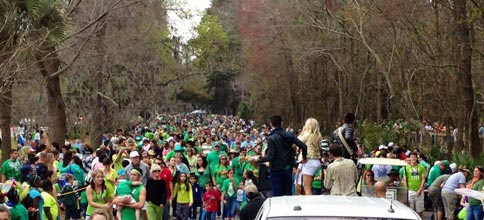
(414, 180)
(344, 137)
(280, 156)
(341, 175)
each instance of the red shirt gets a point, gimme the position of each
(166, 175)
(211, 199)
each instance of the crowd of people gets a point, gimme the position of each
(206, 167)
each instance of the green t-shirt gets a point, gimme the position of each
(213, 159)
(255, 170)
(203, 178)
(434, 173)
(224, 148)
(129, 213)
(238, 168)
(478, 186)
(11, 169)
(251, 153)
(172, 153)
(414, 176)
(229, 189)
(317, 179)
(19, 213)
(221, 174)
(83, 197)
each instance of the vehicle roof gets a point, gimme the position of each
(337, 206)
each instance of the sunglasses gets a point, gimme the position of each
(223, 158)
(156, 171)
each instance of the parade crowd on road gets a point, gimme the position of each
(215, 167)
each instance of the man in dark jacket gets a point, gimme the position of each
(249, 212)
(348, 134)
(280, 155)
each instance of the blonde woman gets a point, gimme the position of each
(311, 136)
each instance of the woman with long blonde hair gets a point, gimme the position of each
(311, 136)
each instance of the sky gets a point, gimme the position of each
(185, 27)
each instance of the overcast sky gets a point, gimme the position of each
(184, 27)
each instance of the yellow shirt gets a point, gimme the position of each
(110, 181)
(50, 202)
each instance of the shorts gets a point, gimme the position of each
(416, 202)
(435, 196)
(73, 213)
(299, 176)
(311, 167)
(450, 202)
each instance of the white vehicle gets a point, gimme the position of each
(334, 208)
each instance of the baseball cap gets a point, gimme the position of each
(381, 147)
(446, 163)
(453, 167)
(134, 154)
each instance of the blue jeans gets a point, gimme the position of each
(474, 212)
(209, 215)
(281, 182)
(229, 207)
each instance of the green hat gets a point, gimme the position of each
(446, 163)
(149, 135)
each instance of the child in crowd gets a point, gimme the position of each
(241, 197)
(50, 210)
(70, 198)
(184, 196)
(197, 196)
(250, 178)
(211, 200)
(123, 190)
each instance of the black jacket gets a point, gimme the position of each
(249, 212)
(348, 134)
(156, 191)
(279, 149)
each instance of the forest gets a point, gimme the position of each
(78, 66)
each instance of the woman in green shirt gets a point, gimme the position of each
(68, 166)
(475, 212)
(221, 171)
(96, 193)
(202, 171)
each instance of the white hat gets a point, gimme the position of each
(437, 163)
(169, 139)
(390, 144)
(134, 154)
(382, 147)
(453, 167)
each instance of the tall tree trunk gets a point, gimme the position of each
(5, 120)
(98, 108)
(463, 57)
(292, 80)
(49, 64)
